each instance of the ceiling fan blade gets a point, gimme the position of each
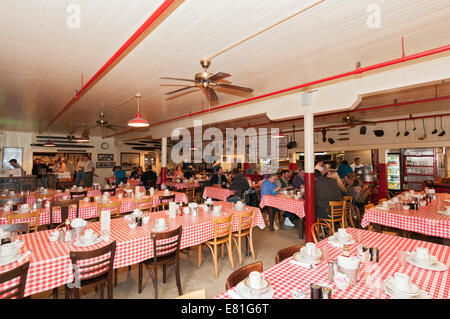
(218, 76)
(235, 87)
(177, 79)
(343, 139)
(211, 94)
(110, 127)
(182, 89)
(118, 126)
(91, 127)
(370, 123)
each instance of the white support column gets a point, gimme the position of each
(310, 200)
(163, 159)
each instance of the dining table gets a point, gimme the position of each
(284, 202)
(89, 210)
(288, 277)
(50, 264)
(217, 192)
(426, 220)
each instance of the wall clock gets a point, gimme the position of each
(105, 145)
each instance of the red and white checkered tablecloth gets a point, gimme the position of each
(282, 202)
(217, 192)
(179, 185)
(179, 196)
(425, 221)
(285, 276)
(50, 264)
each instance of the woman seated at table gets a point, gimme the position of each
(120, 174)
(178, 174)
(137, 173)
(354, 188)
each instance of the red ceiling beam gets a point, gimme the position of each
(357, 71)
(149, 22)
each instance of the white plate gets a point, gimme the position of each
(415, 290)
(338, 240)
(9, 259)
(316, 255)
(243, 292)
(436, 266)
(443, 212)
(394, 295)
(157, 229)
(382, 207)
(301, 258)
(79, 243)
(431, 259)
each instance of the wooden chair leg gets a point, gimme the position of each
(215, 261)
(110, 289)
(164, 273)
(67, 292)
(115, 277)
(155, 281)
(199, 256)
(222, 251)
(102, 291)
(252, 249)
(76, 293)
(230, 254)
(177, 276)
(55, 293)
(239, 250)
(140, 279)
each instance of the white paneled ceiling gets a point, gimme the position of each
(41, 59)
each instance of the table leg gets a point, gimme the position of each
(247, 250)
(271, 218)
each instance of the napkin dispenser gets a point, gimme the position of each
(172, 209)
(349, 266)
(193, 207)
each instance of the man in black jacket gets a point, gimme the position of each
(239, 184)
(40, 170)
(149, 178)
(327, 190)
(219, 178)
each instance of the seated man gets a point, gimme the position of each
(269, 187)
(219, 178)
(149, 178)
(239, 184)
(327, 190)
(299, 179)
(120, 174)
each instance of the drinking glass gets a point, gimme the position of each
(324, 250)
(359, 237)
(401, 257)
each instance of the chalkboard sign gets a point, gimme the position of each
(105, 157)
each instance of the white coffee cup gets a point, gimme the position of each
(119, 196)
(310, 249)
(385, 204)
(342, 233)
(402, 282)
(256, 280)
(145, 220)
(186, 210)
(88, 234)
(161, 222)
(422, 253)
(6, 250)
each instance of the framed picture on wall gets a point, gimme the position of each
(105, 164)
(129, 160)
(10, 153)
(105, 157)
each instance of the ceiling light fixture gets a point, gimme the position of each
(138, 121)
(278, 134)
(49, 144)
(84, 138)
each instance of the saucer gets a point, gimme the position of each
(431, 259)
(337, 242)
(247, 283)
(306, 259)
(80, 243)
(436, 266)
(415, 290)
(443, 212)
(5, 260)
(159, 229)
(244, 292)
(394, 295)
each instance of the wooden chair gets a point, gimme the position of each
(17, 290)
(240, 274)
(45, 197)
(348, 217)
(197, 294)
(78, 195)
(21, 228)
(190, 190)
(95, 269)
(370, 227)
(245, 231)
(389, 194)
(114, 207)
(33, 226)
(64, 206)
(144, 204)
(161, 207)
(320, 231)
(167, 198)
(166, 251)
(337, 212)
(287, 252)
(223, 227)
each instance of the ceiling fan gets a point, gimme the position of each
(101, 122)
(352, 122)
(208, 82)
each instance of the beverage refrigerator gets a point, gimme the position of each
(394, 171)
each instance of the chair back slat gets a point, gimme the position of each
(16, 278)
(223, 227)
(94, 263)
(166, 243)
(320, 231)
(145, 204)
(33, 225)
(245, 220)
(64, 206)
(242, 273)
(287, 252)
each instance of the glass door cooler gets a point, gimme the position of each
(419, 165)
(394, 171)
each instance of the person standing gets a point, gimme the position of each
(13, 162)
(357, 166)
(40, 170)
(89, 170)
(81, 176)
(344, 169)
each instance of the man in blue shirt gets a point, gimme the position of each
(270, 187)
(344, 169)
